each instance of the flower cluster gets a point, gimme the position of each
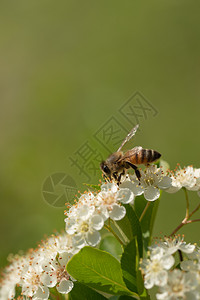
(160, 270)
(38, 270)
(152, 180)
(187, 177)
(86, 218)
(33, 274)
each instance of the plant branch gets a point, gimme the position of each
(192, 221)
(187, 214)
(198, 206)
(186, 220)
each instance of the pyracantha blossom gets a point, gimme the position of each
(131, 182)
(187, 177)
(155, 268)
(152, 180)
(11, 276)
(7, 290)
(83, 225)
(109, 201)
(28, 273)
(55, 274)
(173, 244)
(193, 266)
(31, 283)
(195, 255)
(180, 285)
(56, 244)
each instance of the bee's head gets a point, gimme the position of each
(104, 167)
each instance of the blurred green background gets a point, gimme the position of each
(66, 68)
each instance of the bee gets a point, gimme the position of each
(115, 166)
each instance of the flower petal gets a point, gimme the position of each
(97, 222)
(125, 195)
(64, 257)
(109, 187)
(151, 193)
(168, 261)
(187, 248)
(85, 211)
(42, 293)
(164, 183)
(161, 278)
(49, 279)
(78, 241)
(70, 225)
(148, 281)
(65, 286)
(93, 238)
(118, 212)
(134, 186)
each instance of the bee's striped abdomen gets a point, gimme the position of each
(142, 156)
(149, 156)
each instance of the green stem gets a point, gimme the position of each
(144, 211)
(109, 228)
(187, 204)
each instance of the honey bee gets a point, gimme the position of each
(118, 162)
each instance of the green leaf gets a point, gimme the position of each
(125, 298)
(129, 265)
(140, 283)
(93, 186)
(81, 291)
(98, 269)
(111, 245)
(148, 220)
(130, 226)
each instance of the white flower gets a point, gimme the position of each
(152, 180)
(187, 177)
(109, 201)
(190, 265)
(56, 274)
(131, 182)
(180, 285)
(12, 277)
(155, 268)
(195, 255)
(7, 290)
(54, 245)
(193, 266)
(84, 225)
(173, 244)
(31, 283)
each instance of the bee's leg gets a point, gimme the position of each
(115, 176)
(106, 178)
(119, 178)
(137, 172)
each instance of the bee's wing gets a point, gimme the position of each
(131, 153)
(129, 136)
